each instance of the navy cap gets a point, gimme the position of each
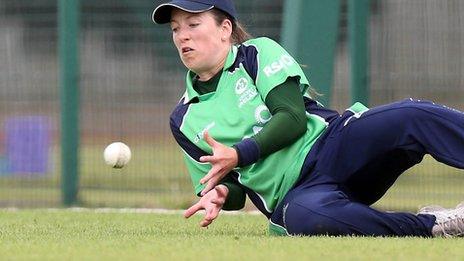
(162, 13)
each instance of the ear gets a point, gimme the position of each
(226, 28)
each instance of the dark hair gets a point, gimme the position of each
(239, 33)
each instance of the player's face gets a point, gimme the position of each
(202, 44)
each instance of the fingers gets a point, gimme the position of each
(222, 191)
(210, 185)
(220, 199)
(210, 216)
(218, 202)
(211, 142)
(212, 204)
(211, 173)
(192, 210)
(207, 159)
(205, 223)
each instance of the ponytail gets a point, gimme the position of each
(239, 33)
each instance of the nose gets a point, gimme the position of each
(182, 35)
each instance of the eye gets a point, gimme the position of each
(174, 29)
(193, 25)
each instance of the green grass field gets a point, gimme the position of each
(89, 235)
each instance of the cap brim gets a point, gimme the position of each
(162, 13)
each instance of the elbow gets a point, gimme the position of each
(301, 127)
(301, 130)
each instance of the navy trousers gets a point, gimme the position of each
(358, 159)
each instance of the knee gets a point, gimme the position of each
(411, 110)
(309, 220)
(415, 106)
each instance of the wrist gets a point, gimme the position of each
(247, 152)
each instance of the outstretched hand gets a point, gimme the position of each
(223, 160)
(211, 202)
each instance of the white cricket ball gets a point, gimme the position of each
(117, 155)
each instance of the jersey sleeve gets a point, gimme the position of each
(288, 122)
(275, 66)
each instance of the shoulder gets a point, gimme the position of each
(267, 50)
(255, 53)
(178, 113)
(262, 42)
(257, 47)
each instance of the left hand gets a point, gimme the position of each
(223, 160)
(212, 203)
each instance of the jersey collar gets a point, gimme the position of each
(190, 93)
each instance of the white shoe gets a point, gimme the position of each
(449, 222)
(460, 205)
(431, 208)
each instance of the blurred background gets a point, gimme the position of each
(131, 78)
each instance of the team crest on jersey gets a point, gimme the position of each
(246, 93)
(241, 85)
(262, 114)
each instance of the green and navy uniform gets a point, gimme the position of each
(318, 180)
(236, 111)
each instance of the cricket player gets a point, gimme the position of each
(248, 126)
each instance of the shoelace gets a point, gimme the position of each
(450, 222)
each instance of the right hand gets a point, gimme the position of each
(223, 160)
(211, 202)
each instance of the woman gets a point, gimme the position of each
(247, 126)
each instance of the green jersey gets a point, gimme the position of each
(236, 111)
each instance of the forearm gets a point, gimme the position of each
(287, 124)
(282, 130)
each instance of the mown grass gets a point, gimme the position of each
(69, 235)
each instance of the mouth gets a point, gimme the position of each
(186, 50)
